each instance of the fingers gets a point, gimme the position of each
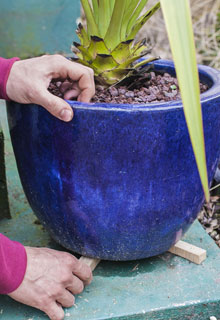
(56, 106)
(66, 300)
(54, 311)
(70, 94)
(83, 272)
(76, 72)
(29, 79)
(77, 286)
(85, 82)
(51, 279)
(66, 85)
(70, 90)
(78, 268)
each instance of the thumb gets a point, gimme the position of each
(56, 106)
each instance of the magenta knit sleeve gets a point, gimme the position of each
(5, 68)
(13, 262)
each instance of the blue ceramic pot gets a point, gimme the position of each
(118, 182)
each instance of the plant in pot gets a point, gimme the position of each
(120, 181)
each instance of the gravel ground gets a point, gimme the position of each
(206, 23)
(209, 216)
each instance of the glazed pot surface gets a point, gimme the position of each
(117, 182)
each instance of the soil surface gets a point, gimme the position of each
(150, 88)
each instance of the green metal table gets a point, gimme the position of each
(159, 288)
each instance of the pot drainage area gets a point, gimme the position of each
(159, 288)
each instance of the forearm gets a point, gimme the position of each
(13, 261)
(5, 68)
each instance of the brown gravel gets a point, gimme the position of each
(54, 88)
(209, 217)
(152, 88)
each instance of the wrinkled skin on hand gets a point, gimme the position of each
(51, 280)
(29, 80)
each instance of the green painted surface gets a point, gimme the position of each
(165, 287)
(17, 200)
(32, 27)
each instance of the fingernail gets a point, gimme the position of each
(66, 115)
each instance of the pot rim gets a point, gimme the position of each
(210, 74)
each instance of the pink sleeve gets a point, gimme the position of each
(13, 262)
(5, 68)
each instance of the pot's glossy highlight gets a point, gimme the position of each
(118, 182)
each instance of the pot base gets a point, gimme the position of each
(121, 289)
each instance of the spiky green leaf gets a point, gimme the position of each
(142, 63)
(95, 6)
(180, 31)
(87, 56)
(104, 16)
(142, 20)
(129, 10)
(112, 51)
(135, 15)
(104, 62)
(99, 45)
(83, 36)
(112, 76)
(113, 35)
(122, 51)
(92, 27)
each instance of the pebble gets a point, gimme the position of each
(155, 90)
(121, 91)
(146, 90)
(169, 94)
(113, 91)
(129, 94)
(217, 237)
(168, 80)
(151, 98)
(139, 99)
(153, 75)
(213, 234)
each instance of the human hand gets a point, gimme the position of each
(29, 79)
(51, 279)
